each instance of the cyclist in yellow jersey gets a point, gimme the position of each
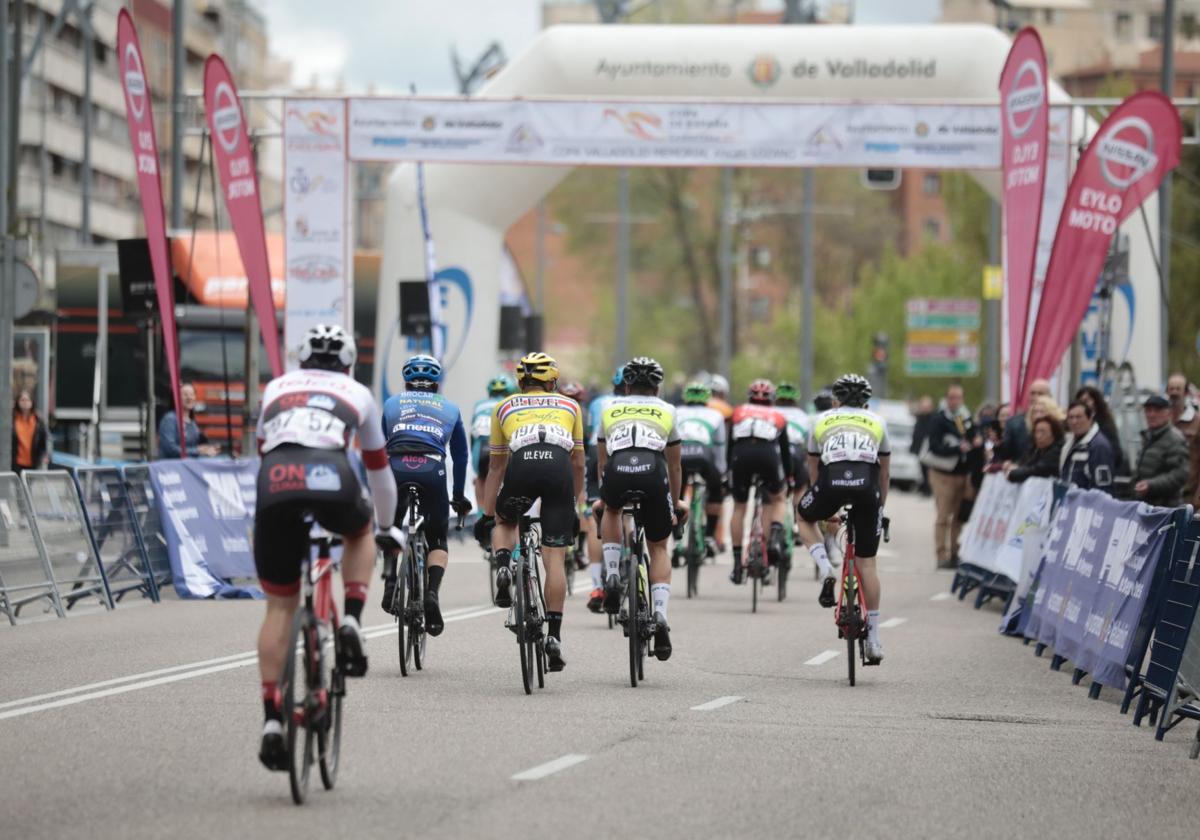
(536, 452)
(639, 453)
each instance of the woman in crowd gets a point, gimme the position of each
(1092, 397)
(1042, 460)
(30, 441)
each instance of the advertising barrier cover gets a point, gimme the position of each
(207, 511)
(1005, 523)
(1097, 567)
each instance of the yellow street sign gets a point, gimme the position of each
(993, 282)
(941, 337)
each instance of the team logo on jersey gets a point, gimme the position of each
(322, 401)
(322, 477)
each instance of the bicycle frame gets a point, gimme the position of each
(639, 621)
(318, 582)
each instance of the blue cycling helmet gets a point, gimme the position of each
(619, 376)
(422, 368)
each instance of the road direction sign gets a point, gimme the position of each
(942, 367)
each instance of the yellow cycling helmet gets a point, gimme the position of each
(539, 367)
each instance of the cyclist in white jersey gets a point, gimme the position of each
(702, 430)
(798, 427)
(591, 431)
(498, 388)
(310, 418)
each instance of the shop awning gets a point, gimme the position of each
(213, 273)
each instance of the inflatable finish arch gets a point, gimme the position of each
(472, 206)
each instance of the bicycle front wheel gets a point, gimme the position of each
(297, 684)
(329, 737)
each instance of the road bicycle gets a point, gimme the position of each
(412, 578)
(527, 617)
(636, 616)
(755, 561)
(692, 549)
(313, 685)
(785, 565)
(851, 612)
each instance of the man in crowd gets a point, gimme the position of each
(952, 439)
(924, 422)
(1017, 431)
(1162, 466)
(1185, 415)
(168, 429)
(1087, 459)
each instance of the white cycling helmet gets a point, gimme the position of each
(328, 346)
(719, 384)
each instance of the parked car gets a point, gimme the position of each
(905, 468)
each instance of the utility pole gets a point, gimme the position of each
(541, 257)
(992, 309)
(725, 269)
(622, 266)
(1164, 190)
(177, 111)
(7, 276)
(85, 174)
(809, 284)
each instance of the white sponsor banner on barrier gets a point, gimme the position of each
(1005, 518)
(319, 265)
(658, 133)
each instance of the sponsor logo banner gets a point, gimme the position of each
(239, 182)
(140, 117)
(1134, 148)
(1025, 110)
(676, 133)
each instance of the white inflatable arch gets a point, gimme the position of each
(472, 206)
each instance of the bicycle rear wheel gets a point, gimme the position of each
(633, 626)
(850, 657)
(401, 611)
(781, 581)
(693, 576)
(329, 737)
(569, 563)
(297, 679)
(416, 633)
(520, 616)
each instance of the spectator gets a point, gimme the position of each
(1087, 458)
(1162, 467)
(924, 421)
(1093, 398)
(1186, 417)
(1042, 459)
(952, 440)
(1017, 429)
(1003, 414)
(30, 450)
(168, 429)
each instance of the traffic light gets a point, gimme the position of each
(879, 364)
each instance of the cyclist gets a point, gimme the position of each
(702, 430)
(798, 427)
(595, 551)
(498, 388)
(420, 426)
(309, 419)
(719, 386)
(536, 453)
(577, 392)
(849, 454)
(759, 448)
(640, 453)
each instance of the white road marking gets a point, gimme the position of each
(176, 673)
(885, 553)
(942, 596)
(715, 704)
(823, 657)
(892, 622)
(549, 768)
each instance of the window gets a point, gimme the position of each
(1050, 17)
(1154, 27)
(932, 183)
(933, 228)
(1123, 26)
(100, 51)
(1187, 25)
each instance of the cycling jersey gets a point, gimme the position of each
(318, 409)
(721, 406)
(420, 422)
(760, 422)
(798, 423)
(849, 434)
(759, 449)
(595, 409)
(481, 430)
(702, 430)
(536, 417)
(638, 422)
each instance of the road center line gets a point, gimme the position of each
(942, 596)
(892, 622)
(715, 704)
(550, 767)
(823, 657)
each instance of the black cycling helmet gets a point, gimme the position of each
(852, 390)
(642, 372)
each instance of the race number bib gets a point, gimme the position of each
(755, 427)
(541, 433)
(482, 427)
(849, 446)
(639, 435)
(306, 426)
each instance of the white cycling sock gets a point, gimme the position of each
(821, 558)
(873, 625)
(660, 594)
(612, 559)
(596, 570)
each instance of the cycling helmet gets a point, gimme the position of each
(573, 390)
(696, 393)
(787, 391)
(762, 391)
(824, 400)
(719, 384)
(619, 377)
(852, 390)
(501, 386)
(329, 347)
(642, 371)
(538, 367)
(422, 368)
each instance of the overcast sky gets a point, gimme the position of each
(395, 43)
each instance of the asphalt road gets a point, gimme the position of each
(144, 722)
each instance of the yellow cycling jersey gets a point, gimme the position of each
(849, 434)
(536, 417)
(638, 422)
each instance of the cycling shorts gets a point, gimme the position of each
(697, 459)
(848, 483)
(751, 459)
(540, 471)
(591, 472)
(480, 457)
(295, 482)
(427, 473)
(800, 477)
(642, 471)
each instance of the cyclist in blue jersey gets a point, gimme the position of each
(591, 432)
(420, 425)
(498, 388)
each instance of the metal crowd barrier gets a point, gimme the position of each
(148, 524)
(25, 574)
(114, 532)
(62, 527)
